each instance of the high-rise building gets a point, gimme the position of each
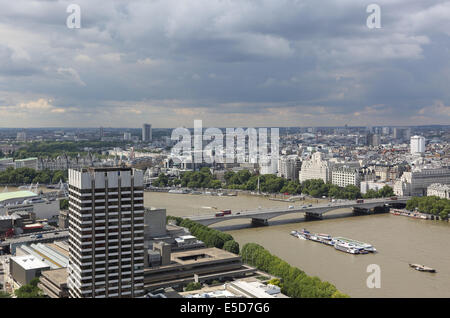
(288, 167)
(21, 136)
(106, 233)
(146, 132)
(417, 145)
(127, 136)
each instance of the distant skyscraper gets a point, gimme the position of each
(376, 140)
(146, 132)
(127, 136)
(417, 145)
(106, 233)
(21, 136)
(102, 132)
(407, 134)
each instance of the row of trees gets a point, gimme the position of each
(211, 237)
(430, 205)
(295, 283)
(190, 179)
(244, 180)
(384, 192)
(28, 175)
(57, 148)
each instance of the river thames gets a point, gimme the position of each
(399, 241)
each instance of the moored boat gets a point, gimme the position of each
(346, 247)
(366, 246)
(422, 268)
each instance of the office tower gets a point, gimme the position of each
(376, 140)
(395, 133)
(369, 138)
(407, 134)
(127, 136)
(21, 136)
(146, 132)
(289, 167)
(106, 233)
(102, 132)
(417, 145)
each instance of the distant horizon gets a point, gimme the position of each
(104, 127)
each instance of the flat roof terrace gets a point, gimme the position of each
(207, 263)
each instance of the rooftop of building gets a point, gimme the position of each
(16, 195)
(202, 255)
(27, 159)
(58, 276)
(103, 169)
(240, 288)
(29, 262)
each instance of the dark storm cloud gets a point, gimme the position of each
(255, 62)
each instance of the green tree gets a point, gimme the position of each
(275, 281)
(338, 294)
(231, 246)
(64, 204)
(295, 282)
(445, 213)
(29, 290)
(193, 286)
(4, 294)
(57, 176)
(386, 191)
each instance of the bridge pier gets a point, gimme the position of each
(361, 211)
(260, 222)
(313, 216)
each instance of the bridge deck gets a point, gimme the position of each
(318, 210)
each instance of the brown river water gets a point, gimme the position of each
(399, 241)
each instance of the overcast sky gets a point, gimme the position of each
(230, 63)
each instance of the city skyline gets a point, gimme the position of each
(263, 64)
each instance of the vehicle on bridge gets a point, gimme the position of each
(360, 201)
(219, 214)
(226, 212)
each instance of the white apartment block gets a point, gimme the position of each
(316, 168)
(106, 233)
(344, 176)
(439, 190)
(288, 167)
(416, 182)
(417, 145)
(269, 166)
(371, 185)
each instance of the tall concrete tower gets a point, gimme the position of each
(146, 132)
(106, 233)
